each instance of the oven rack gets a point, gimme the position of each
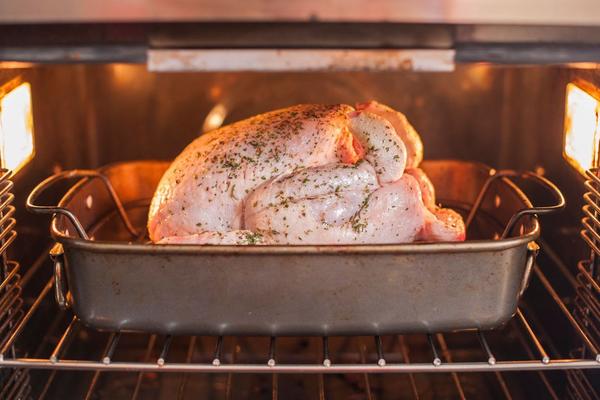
(591, 210)
(586, 303)
(587, 299)
(586, 311)
(439, 361)
(14, 383)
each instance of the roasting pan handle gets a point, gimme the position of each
(535, 210)
(532, 251)
(60, 283)
(76, 173)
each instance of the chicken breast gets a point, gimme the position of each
(204, 188)
(309, 174)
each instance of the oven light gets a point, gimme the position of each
(214, 119)
(16, 127)
(582, 127)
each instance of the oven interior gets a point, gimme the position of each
(506, 116)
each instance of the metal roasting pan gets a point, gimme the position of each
(113, 279)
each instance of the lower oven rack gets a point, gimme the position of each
(541, 359)
(374, 356)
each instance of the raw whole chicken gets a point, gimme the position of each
(308, 174)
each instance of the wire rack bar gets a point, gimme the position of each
(162, 358)
(591, 210)
(272, 344)
(304, 368)
(113, 341)
(583, 268)
(567, 313)
(378, 345)
(188, 359)
(534, 338)
(105, 353)
(486, 348)
(362, 350)
(12, 269)
(140, 377)
(406, 358)
(63, 340)
(437, 361)
(23, 322)
(10, 383)
(326, 360)
(18, 385)
(586, 303)
(578, 380)
(218, 349)
(448, 357)
(14, 384)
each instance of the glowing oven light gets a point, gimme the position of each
(215, 117)
(16, 127)
(582, 127)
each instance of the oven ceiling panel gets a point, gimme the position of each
(509, 32)
(553, 12)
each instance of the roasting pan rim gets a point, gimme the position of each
(477, 245)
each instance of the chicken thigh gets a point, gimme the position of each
(403, 129)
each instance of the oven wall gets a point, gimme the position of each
(137, 114)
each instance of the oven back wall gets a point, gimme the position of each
(131, 113)
(89, 115)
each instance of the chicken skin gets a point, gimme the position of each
(308, 174)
